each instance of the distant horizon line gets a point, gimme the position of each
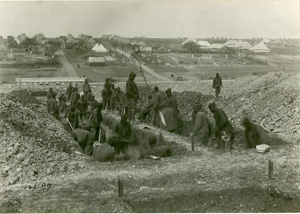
(133, 37)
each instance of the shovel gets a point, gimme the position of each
(70, 124)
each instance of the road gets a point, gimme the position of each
(144, 67)
(66, 65)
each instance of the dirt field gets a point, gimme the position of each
(207, 180)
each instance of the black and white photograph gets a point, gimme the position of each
(157, 106)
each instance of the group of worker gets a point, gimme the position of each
(161, 110)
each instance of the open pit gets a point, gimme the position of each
(207, 180)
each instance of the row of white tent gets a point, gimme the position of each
(237, 44)
(99, 48)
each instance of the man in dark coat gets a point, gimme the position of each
(75, 96)
(62, 104)
(121, 135)
(222, 124)
(86, 89)
(157, 150)
(171, 102)
(95, 119)
(69, 91)
(113, 97)
(50, 94)
(254, 134)
(201, 130)
(73, 114)
(85, 140)
(217, 84)
(132, 94)
(53, 108)
(82, 107)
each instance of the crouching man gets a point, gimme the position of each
(85, 140)
(157, 150)
(103, 152)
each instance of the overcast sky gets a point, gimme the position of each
(194, 19)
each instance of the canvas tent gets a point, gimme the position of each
(216, 46)
(203, 44)
(99, 48)
(231, 44)
(244, 45)
(94, 61)
(189, 40)
(261, 48)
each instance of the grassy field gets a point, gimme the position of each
(25, 65)
(205, 66)
(118, 69)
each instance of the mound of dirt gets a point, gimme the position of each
(272, 99)
(33, 144)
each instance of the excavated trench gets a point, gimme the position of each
(243, 199)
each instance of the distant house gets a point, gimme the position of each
(231, 44)
(189, 40)
(216, 46)
(83, 37)
(71, 41)
(64, 38)
(59, 40)
(69, 36)
(96, 61)
(203, 44)
(21, 38)
(261, 48)
(244, 45)
(40, 38)
(90, 43)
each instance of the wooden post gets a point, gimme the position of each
(120, 188)
(270, 169)
(192, 143)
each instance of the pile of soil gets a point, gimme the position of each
(272, 99)
(34, 144)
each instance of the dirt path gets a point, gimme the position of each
(145, 68)
(66, 65)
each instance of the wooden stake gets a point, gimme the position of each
(270, 169)
(120, 188)
(192, 143)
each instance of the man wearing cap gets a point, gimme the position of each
(85, 140)
(95, 119)
(86, 89)
(50, 94)
(82, 107)
(201, 131)
(171, 102)
(157, 150)
(217, 84)
(132, 94)
(75, 96)
(222, 124)
(122, 134)
(53, 108)
(69, 91)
